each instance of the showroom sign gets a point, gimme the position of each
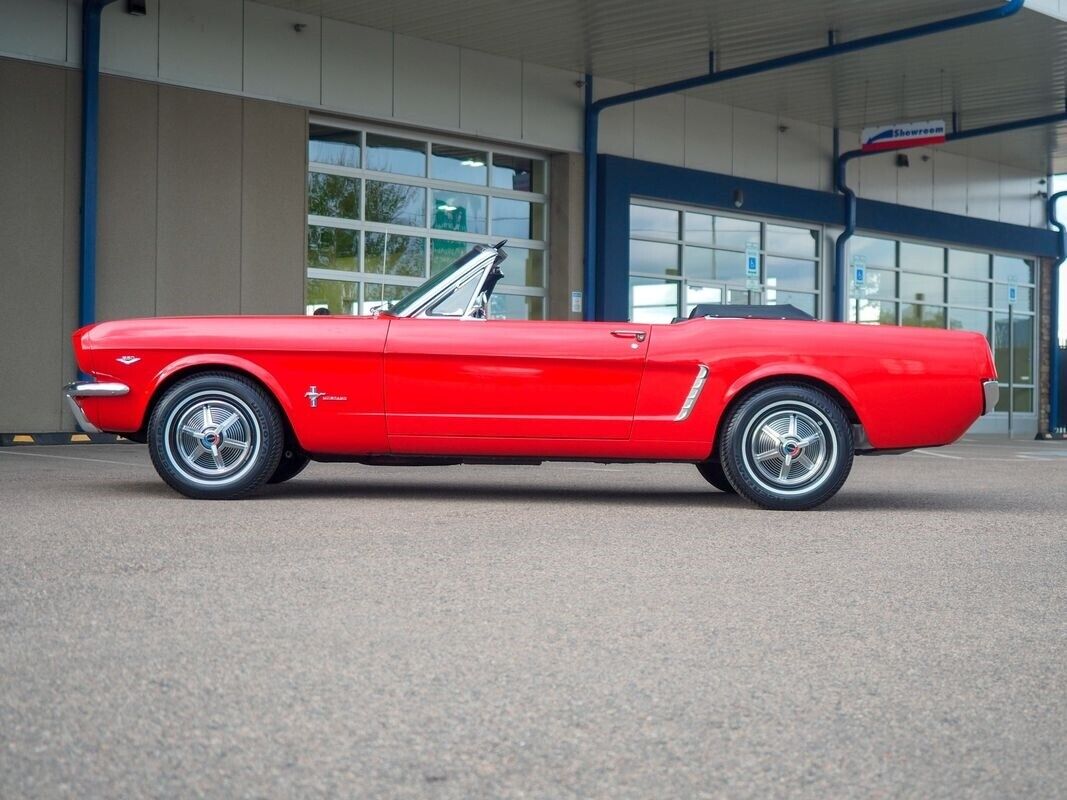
(906, 134)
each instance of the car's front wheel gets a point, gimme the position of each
(215, 436)
(787, 447)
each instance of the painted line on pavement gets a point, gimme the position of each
(71, 458)
(937, 455)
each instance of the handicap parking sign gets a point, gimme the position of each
(752, 260)
(859, 270)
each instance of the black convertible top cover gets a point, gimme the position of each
(749, 312)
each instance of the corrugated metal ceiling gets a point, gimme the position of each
(989, 73)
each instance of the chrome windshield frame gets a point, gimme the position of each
(482, 264)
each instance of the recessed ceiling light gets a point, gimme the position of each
(446, 207)
(472, 162)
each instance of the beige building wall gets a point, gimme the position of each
(201, 212)
(566, 207)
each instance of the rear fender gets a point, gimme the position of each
(788, 370)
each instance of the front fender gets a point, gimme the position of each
(223, 360)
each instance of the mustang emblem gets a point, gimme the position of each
(314, 395)
(127, 360)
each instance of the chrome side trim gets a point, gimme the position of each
(991, 394)
(74, 390)
(694, 394)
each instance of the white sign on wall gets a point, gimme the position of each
(903, 134)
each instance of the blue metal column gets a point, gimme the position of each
(832, 48)
(1054, 316)
(91, 11)
(840, 268)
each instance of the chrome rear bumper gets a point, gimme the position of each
(991, 393)
(72, 391)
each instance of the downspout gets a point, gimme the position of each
(1054, 316)
(840, 268)
(91, 11)
(832, 48)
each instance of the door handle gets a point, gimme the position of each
(639, 335)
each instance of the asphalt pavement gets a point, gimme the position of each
(570, 630)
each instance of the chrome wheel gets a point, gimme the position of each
(212, 437)
(789, 447)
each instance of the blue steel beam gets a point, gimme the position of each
(91, 11)
(832, 48)
(841, 184)
(1054, 316)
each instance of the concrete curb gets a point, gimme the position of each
(27, 439)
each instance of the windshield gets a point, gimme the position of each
(420, 293)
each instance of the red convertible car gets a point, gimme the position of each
(772, 409)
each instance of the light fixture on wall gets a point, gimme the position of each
(739, 198)
(902, 160)
(136, 8)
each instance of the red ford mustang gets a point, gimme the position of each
(773, 409)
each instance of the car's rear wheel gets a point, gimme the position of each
(787, 447)
(291, 464)
(215, 436)
(711, 470)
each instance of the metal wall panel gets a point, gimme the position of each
(659, 129)
(1038, 211)
(1017, 187)
(279, 60)
(565, 244)
(490, 98)
(126, 248)
(357, 69)
(426, 82)
(33, 203)
(950, 183)
(826, 160)
(71, 241)
(801, 161)
(551, 107)
(983, 189)
(755, 145)
(709, 136)
(617, 122)
(915, 183)
(128, 44)
(273, 208)
(199, 244)
(200, 43)
(36, 28)
(878, 178)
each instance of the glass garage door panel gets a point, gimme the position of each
(703, 257)
(654, 301)
(386, 210)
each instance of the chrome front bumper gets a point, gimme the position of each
(72, 391)
(991, 393)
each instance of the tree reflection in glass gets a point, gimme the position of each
(396, 203)
(333, 195)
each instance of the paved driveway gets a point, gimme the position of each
(557, 631)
